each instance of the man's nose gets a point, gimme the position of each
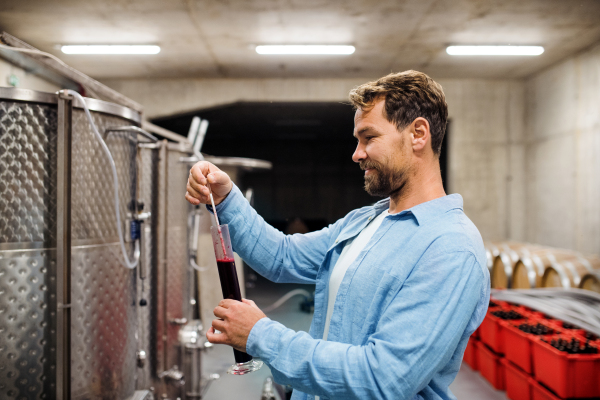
(359, 154)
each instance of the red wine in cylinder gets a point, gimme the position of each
(229, 279)
(231, 290)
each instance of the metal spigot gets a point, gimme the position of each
(173, 374)
(141, 358)
(268, 392)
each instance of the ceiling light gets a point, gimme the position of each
(306, 49)
(494, 50)
(110, 49)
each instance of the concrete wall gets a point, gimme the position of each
(26, 80)
(486, 154)
(563, 154)
(485, 144)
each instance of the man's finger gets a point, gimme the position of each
(218, 178)
(197, 186)
(227, 303)
(198, 174)
(220, 312)
(219, 325)
(193, 192)
(216, 338)
(251, 303)
(191, 199)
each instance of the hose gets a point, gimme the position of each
(128, 263)
(285, 298)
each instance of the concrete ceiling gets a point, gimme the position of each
(216, 38)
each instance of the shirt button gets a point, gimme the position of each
(336, 241)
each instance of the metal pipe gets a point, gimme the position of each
(193, 129)
(134, 128)
(63, 248)
(199, 141)
(165, 133)
(162, 223)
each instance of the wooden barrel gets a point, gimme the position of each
(530, 267)
(591, 281)
(504, 263)
(568, 272)
(491, 252)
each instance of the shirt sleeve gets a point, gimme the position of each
(274, 255)
(416, 336)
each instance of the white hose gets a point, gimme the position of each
(285, 298)
(128, 264)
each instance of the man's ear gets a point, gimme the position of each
(421, 135)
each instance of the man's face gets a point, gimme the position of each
(382, 152)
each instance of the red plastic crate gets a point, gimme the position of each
(568, 375)
(490, 333)
(489, 366)
(518, 386)
(517, 348)
(538, 392)
(470, 356)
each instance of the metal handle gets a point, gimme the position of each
(173, 374)
(134, 128)
(199, 140)
(194, 236)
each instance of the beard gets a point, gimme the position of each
(383, 181)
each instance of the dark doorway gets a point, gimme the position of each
(310, 145)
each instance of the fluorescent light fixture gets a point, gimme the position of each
(111, 49)
(494, 50)
(324, 49)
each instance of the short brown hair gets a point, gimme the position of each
(408, 95)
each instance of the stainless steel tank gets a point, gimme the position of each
(74, 321)
(68, 305)
(28, 135)
(168, 278)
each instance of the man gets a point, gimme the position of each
(400, 286)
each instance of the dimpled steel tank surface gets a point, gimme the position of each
(35, 236)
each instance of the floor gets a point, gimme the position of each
(468, 385)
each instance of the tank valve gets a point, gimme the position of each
(268, 392)
(173, 374)
(141, 358)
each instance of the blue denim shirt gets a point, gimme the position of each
(404, 310)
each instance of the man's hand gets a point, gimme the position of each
(236, 321)
(202, 174)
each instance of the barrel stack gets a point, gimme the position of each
(515, 265)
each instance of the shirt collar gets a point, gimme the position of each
(428, 210)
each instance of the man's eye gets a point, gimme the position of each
(369, 138)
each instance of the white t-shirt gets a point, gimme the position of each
(351, 250)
